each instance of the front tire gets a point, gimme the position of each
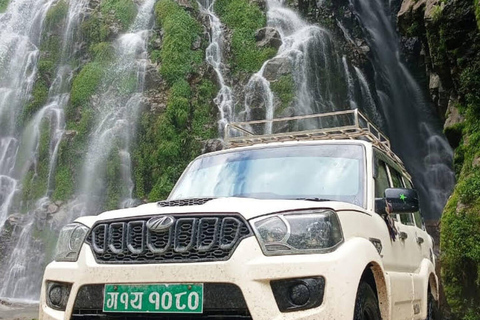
(366, 303)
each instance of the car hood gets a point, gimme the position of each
(247, 207)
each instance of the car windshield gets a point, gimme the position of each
(330, 172)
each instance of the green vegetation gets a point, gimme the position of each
(57, 13)
(122, 11)
(180, 31)
(460, 237)
(167, 141)
(4, 5)
(244, 18)
(86, 84)
(284, 89)
(476, 5)
(35, 181)
(99, 27)
(50, 49)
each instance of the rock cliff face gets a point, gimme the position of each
(447, 34)
(171, 94)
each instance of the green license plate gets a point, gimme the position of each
(154, 298)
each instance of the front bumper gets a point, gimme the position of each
(248, 269)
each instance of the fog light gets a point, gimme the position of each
(298, 294)
(57, 295)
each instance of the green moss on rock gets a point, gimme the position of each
(460, 236)
(284, 89)
(86, 83)
(123, 11)
(4, 5)
(244, 18)
(57, 13)
(476, 5)
(180, 31)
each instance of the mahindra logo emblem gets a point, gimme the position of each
(160, 223)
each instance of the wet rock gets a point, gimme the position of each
(15, 219)
(432, 9)
(197, 43)
(268, 37)
(453, 115)
(70, 134)
(453, 129)
(186, 4)
(213, 145)
(276, 68)
(434, 82)
(362, 45)
(152, 77)
(476, 162)
(155, 101)
(52, 208)
(262, 4)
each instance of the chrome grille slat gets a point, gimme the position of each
(191, 238)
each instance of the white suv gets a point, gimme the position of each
(325, 228)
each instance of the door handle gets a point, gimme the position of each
(403, 235)
(420, 240)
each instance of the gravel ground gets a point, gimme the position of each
(13, 310)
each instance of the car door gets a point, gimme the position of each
(397, 256)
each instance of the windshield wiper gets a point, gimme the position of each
(313, 199)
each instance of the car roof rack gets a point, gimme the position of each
(348, 124)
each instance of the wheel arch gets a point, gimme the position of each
(373, 274)
(433, 285)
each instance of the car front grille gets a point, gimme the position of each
(190, 238)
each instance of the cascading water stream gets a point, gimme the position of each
(20, 30)
(22, 276)
(118, 103)
(214, 56)
(322, 79)
(351, 84)
(410, 121)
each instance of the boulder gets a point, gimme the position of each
(52, 208)
(268, 37)
(15, 219)
(70, 134)
(277, 67)
(453, 115)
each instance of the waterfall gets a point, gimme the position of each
(350, 83)
(20, 31)
(214, 56)
(322, 79)
(411, 124)
(22, 276)
(118, 103)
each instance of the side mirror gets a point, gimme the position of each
(397, 201)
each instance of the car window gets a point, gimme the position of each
(381, 181)
(396, 178)
(416, 215)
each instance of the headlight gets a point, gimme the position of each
(70, 242)
(310, 231)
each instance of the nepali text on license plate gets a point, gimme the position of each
(158, 298)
